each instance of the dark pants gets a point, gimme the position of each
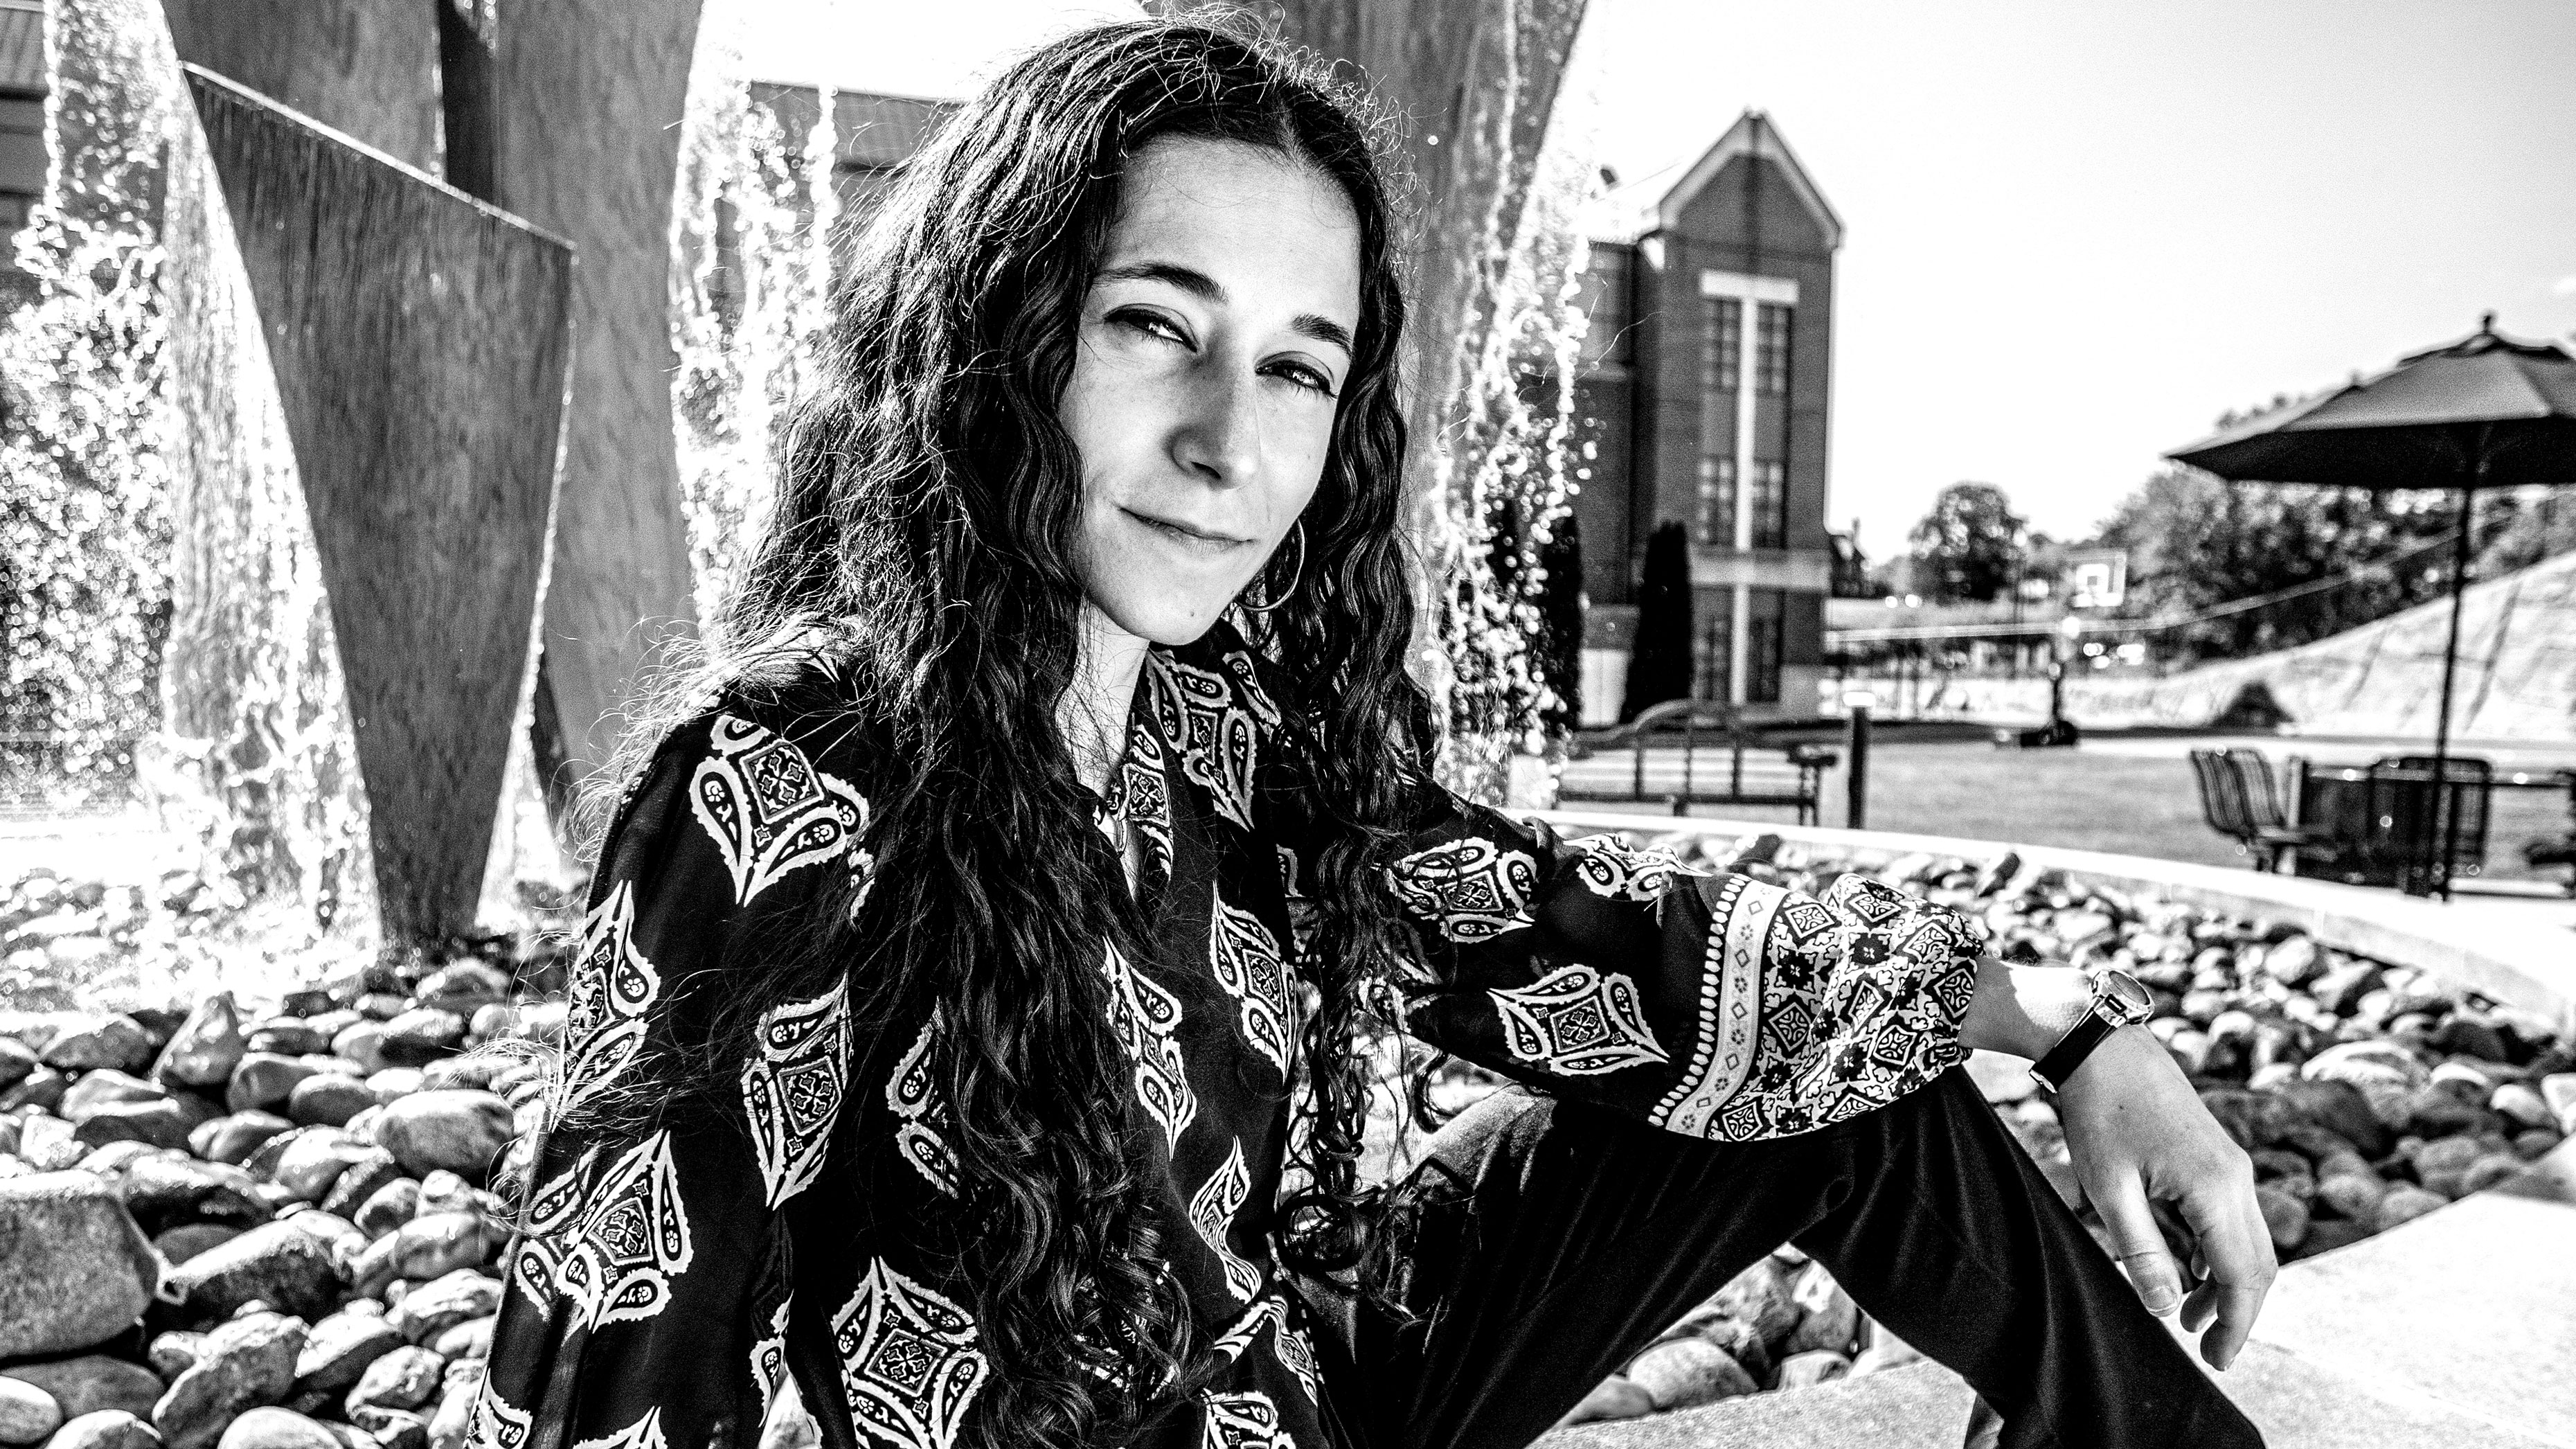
(1556, 1240)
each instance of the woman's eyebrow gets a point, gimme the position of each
(1207, 289)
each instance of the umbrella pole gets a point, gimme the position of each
(2445, 808)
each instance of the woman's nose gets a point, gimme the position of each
(1220, 433)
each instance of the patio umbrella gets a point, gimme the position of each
(2487, 411)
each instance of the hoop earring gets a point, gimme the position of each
(1293, 574)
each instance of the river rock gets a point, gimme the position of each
(119, 1042)
(2492, 1170)
(48, 1145)
(455, 1406)
(462, 987)
(403, 1378)
(2473, 1035)
(339, 1349)
(470, 1339)
(279, 1264)
(106, 1429)
(289, 1036)
(2338, 1107)
(392, 1206)
(155, 1124)
(91, 1383)
(2284, 1215)
(2558, 1090)
(1614, 1398)
(393, 1428)
(421, 1036)
(1763, 1296)
(361, 1042)
(2522, 1105)
(174, 1353)
(105, 1087)
(234, 1138)
(1829, 1319)
(177, 1245)
(264, 1081)
(274, 1428)
(338, 1236)
(461, 1131)
(2351, 1188)
(429, 1246)
(360, 1181)
(16, 1061)
(434, 1307)
(44, 1087)
(28, 1415)
(78, 1270)
(2388, 1075)
(1681, 1373)
(165, 1191)
(1818, 1366)
(393, 1084)
(207, 1046)
(2293, 961)
(2404, 1204)
(241, 1365)
(313, 1162)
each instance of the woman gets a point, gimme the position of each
(969, 1017)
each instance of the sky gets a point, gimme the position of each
(2074, 233)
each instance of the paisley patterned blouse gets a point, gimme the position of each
(667, 1288)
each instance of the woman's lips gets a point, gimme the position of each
(1186, 534)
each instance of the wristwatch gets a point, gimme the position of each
(2119, 999)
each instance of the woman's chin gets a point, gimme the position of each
(1168, 621)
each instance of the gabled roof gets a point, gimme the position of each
(1650, 204)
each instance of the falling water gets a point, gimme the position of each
(1510, 478)
(750, 280)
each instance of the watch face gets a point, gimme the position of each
(2122, 998)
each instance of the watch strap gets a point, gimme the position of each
(2073, 1048)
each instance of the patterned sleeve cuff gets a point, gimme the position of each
(1816, 1010)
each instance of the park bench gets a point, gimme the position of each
(1688, 752)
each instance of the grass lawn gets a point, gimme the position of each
(2127, 804)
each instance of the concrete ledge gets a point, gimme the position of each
(2520, 953)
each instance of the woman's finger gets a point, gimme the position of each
(2139, 1244)
(2229, 1224)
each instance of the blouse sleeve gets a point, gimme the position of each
(646, 1298)
(1712, 1005)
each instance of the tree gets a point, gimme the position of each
(1969, 546)
(1660, 667)
(2196, 542)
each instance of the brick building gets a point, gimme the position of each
(1703, 393)
(22, 125)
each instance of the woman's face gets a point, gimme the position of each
(1214, 344)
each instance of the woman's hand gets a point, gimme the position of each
(2138, 1134)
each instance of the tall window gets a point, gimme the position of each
(1763, 646)
(1770, 505)
(1721, 344)
(1713, 521)
(1713, 661)
(1771, 368)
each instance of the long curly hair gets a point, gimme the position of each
(922, 549)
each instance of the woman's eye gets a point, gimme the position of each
(1152, 324)
(1305, 377)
